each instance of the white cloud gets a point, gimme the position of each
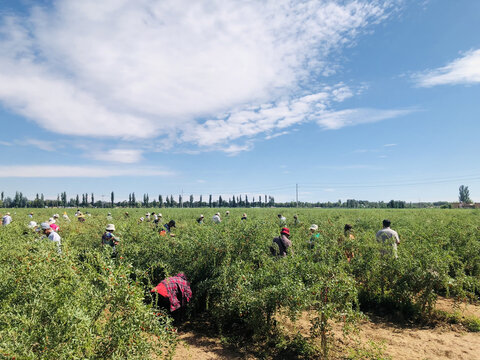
(5, 143)
(389, 145)
(464, 70)
(235, 149)
(126, 156)
(264, 118)
(273, 136)
(333, 120)
(66, 171)
(151, 68)
(40, 144)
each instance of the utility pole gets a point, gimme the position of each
(297, 193)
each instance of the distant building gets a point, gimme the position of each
(459, 205)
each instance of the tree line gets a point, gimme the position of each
(88, 200)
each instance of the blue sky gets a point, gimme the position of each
(364, 99)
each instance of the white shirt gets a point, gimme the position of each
(53, 236)
(7, 219)
(216, 219)
(389, 236)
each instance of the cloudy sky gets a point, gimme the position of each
(364, 99)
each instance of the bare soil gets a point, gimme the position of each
(376, 336)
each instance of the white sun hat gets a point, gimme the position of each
(45, 226)
(110, 227)
(314, 227)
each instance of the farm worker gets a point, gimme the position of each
(295, 220)
(216, 218)
(200, 219)
(32, 225)
(173, 292)
(7, 219)
(126, 214)
(81, 217)
(108, 238)
(282, 243)
(227, 213)
(168, 228)
(349, 237)
(314, 236)
(30, 215)
(158, 219)
(51, 235)
(54, 226)
(388, 238)
(244, 216)
(109, 216)
(147, 216)
(78, 212)
(65, 217)
(281, 219)
(155, 218)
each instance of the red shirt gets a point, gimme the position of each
(178, 290)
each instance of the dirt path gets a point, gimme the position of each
(194, 346)
(389, 339)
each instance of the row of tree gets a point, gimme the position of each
(86, 200)
(21, 201)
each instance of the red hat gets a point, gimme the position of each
(285, 231)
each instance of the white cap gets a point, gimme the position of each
(217, 214)
(147, 214)
(227, 212)
(110, 227)
(51, 221)
(45, 226)
(201, 215)
(109, 214)
(314, 227)
(159, 215)
(55, 215)
(32, 224)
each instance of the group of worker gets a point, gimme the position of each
(174, 292)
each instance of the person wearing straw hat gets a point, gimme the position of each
(7, 219)
(108, 238)
(244, 216)
(51, 235)
(200, 219)
(65, 216)
(281, 244)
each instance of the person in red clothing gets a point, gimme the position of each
(174, 292)
(281, 244)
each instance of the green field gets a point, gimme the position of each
(84, 304)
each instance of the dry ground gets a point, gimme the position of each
(395, 341)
